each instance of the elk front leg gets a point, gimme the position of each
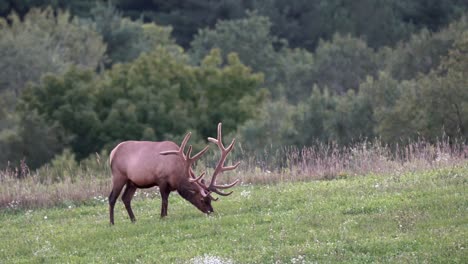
(165, 200)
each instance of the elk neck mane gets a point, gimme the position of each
(186, 190)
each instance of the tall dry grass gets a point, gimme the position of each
(22, 188)
(330, 161)
(65, 181)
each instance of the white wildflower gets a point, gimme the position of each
(207, 259)
(245, 194)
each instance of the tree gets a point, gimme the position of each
(127, 39)
(186, 17)
(67, 100)
(158, 96)
(351, 121)
(438, 101)
(150, 98)
(80, 8)
(32, 140)
(229, 93)
(382, 93)
(452, 72)
(380, 22)
(422, 53)
(342, 63)
(250, 38)
(273, 127)
(301, 22)
(44, 42)
(429, 106)
(311, 115)
(7, 106)
(293, 75)
(287, 71)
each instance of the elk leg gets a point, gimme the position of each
(165, 200)
(116, 189)
(127, 199)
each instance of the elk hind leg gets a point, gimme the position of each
(116, 189)
(127, 199)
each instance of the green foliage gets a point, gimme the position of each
(437, 104)
(322, 117)
(382, 93)
(62, 166)
(287, 71)
(423, 52)
(186, 17)
(351, 120)
(32, 140)
(293, 74)
(342, 63)
(231, 94)
(250, 38)
(80, 8)
(272, 127)
(157, 97)
(311, 117)
(7, 106)
(380, 22)
(302, 22)
(153, 92)
(333, 71)
(67, 100)
(170, 97)
(325, 117)
(127, 39)
(44, 42)
(428, 106)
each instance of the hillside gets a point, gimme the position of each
(406, 217)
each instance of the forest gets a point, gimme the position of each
(81, 76)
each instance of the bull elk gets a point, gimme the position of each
(144, 164)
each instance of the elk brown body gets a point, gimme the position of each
(144, 164)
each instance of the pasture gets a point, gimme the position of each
(409, 217)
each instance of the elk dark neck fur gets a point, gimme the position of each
(186, 190)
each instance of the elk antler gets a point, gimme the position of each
(180, 152)
(213, 187)
(204, 190)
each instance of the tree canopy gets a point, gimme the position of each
(82, 76)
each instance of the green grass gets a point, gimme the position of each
(415, 218)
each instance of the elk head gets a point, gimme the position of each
(196, 191)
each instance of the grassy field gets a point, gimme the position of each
(412, 217)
